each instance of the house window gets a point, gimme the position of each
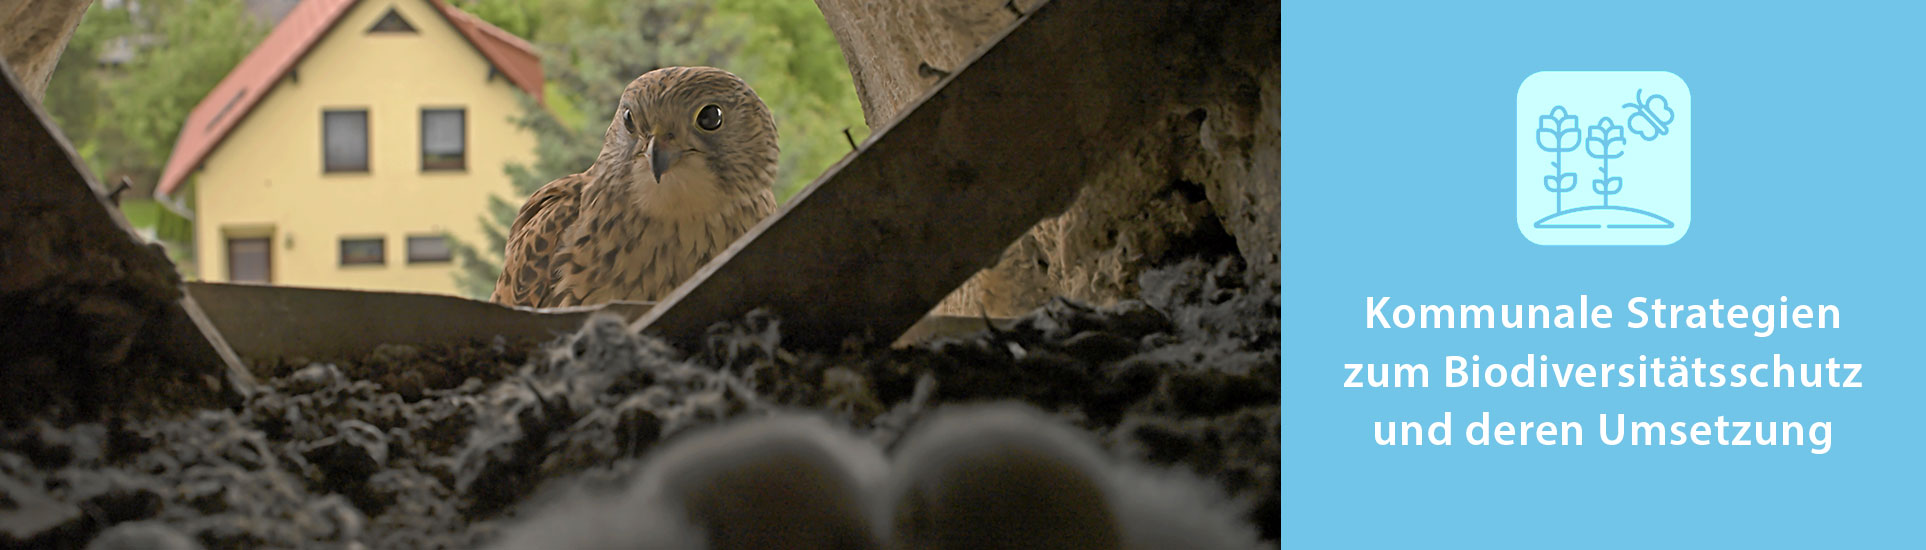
(428, 249)
(392, 23)
(362, 251)
(345, 134)
(444, 139)
(248, 260)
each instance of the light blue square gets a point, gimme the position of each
(1604, 158)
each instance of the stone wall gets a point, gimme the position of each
(1203, 179)
(36, 32)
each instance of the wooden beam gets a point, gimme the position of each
(268, 323)
(1000, 144)
(89, 294)
(280, 323)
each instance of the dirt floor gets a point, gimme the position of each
(414, 447)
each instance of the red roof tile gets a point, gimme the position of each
(230, 101)
(514, 57)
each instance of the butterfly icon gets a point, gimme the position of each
(1651, 117)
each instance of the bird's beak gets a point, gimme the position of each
(660, 158)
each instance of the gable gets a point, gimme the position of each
(283, 51)
(392, 22)
(355, 50)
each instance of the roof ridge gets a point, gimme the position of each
(498, 32)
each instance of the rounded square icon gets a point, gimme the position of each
(1604, 158)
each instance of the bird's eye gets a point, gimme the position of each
(709, 118)
(628, 122)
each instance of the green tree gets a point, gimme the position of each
(781, 47)
(545, 21)
(786, 51)
(74, 99)
(124, 119)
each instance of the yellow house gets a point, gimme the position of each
(342, 149)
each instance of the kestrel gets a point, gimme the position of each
(686, 167)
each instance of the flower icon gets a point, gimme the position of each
(1558, 134)
(1569, 128)
(1605, 140)
(1558, 131)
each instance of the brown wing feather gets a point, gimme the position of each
(528, 274)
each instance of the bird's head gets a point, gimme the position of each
(692, 130)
